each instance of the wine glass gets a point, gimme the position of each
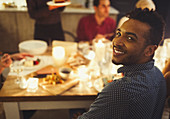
(17, 67)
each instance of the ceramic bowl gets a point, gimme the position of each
(35, 47)
(65, 72)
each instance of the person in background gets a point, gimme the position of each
(124, 6)
(140, 4)
(98, 25)
(48, 24)
(141, 92)
(161, 6)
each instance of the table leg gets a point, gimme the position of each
(12, 110)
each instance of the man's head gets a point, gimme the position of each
(137, 39)
(101, 7)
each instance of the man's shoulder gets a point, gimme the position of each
(110, 19)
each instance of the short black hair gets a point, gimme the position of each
(154, 20)
(96, 2)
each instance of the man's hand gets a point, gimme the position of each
(146, 4)
(19, 56)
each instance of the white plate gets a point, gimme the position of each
(51, 3)
(35, 66)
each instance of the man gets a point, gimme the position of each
(98, 25)
(141, 93)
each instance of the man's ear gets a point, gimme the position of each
(149, 50)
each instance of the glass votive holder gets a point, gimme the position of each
(32, 85)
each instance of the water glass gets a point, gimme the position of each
(32, 85)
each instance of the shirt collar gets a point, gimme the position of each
(136, 67)
(96, 21)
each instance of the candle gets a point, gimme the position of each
(58, 54)
(100, 50)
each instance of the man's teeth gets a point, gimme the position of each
(116, 51)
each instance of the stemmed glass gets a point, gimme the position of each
(17, 67)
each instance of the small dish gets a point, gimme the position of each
(65, 72)
(34, 66)
(51, 3)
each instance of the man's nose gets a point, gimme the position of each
(117, 42)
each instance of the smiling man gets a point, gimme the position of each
(141, 93)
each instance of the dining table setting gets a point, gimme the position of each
(67, 72)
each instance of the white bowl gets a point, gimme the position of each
(35, 47)
(65, 72)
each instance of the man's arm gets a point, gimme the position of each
(19, 56)
(110, 103)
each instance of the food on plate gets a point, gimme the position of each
(30, 63)
(76, 60)
(58, 1)
(53, 79)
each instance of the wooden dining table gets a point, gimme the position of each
(15, 99)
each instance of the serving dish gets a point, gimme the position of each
(51, 3)
(35, 47)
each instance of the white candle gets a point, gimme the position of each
(58, 55)
(100, 50)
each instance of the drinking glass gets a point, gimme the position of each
(17, 67)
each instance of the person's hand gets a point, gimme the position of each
(5, 61)
(167, 67)
(99, 36)
(60, 8)
(19, 56)
(146, 4)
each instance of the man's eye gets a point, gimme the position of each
(118, 34)
(130, 38)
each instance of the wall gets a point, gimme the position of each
(16, 26)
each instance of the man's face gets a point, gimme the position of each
(103, 8)
(129, 43)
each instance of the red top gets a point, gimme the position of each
(88, 28)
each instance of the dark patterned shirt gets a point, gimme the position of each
(140, 94)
